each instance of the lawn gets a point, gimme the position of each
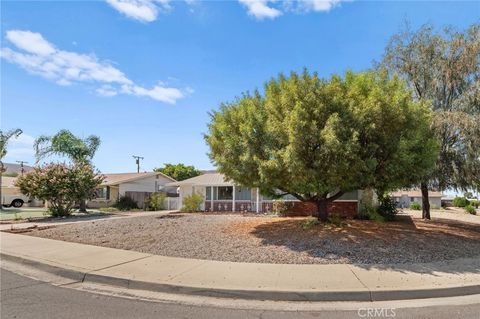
(248, 238)
(22, 213)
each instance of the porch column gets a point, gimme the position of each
(258, 201)
(211, 198)
(233, 199)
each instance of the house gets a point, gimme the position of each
(221, 194)
(117, 185)
(404, 198)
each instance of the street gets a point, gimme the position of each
(22, 297)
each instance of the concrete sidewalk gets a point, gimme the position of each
(339, 282)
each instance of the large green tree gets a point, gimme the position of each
(5, 136)
(317, 139)
(179, 171)
(443, 69)
(65, 143)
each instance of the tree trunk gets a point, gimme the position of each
(83, 206)
(425, 201)
(322, 213)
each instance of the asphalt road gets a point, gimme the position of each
(22, 297)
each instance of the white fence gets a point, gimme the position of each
(172, 203)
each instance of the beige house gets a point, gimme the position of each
(116, 185)
(220, 194)
(405, 197)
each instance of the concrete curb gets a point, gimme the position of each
(364, 295)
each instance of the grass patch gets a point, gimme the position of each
(309, 223)
(108, 209)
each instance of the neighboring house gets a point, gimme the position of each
(117, 185)
(222, 195)
(404, 198)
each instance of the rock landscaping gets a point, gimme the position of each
(264, 239)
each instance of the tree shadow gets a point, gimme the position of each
(405, 245)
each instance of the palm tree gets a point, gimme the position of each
(64, 143)
(4, 138)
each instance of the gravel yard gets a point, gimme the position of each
(247, 238)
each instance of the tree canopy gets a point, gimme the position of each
(317, 139)
(443, 69)
(64, 143)
(5, 136)
(179, 171)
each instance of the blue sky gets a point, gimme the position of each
(144, 75)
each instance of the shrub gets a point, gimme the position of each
(126, 203)
(280, 207)
(310, 222)
(336, 220)
(157, 201)
(474, 203)
(387, 207)
(108, 209)
(366, 211)
(460, 202)
(61, 185)
(471, 210)
(415, 206)
(191, 203)
(370, 212)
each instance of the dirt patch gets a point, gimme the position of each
(248, 238)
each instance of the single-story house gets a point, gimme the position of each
(117, 185)
(404, 198)
(222, 195)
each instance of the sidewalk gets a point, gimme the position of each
(337, 282)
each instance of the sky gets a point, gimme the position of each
(143, 75)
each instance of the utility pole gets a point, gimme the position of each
(137, 161)
(22, 168)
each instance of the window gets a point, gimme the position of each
(225, 192)
(102, 193)
(243, 193)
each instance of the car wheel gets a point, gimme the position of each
(17, 203)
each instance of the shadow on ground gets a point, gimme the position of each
(397, 245)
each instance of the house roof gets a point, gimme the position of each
(207, 179)
(8, 181)
(119, 178)
(415, 193)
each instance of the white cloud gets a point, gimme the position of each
(159, 92)
(106, 90)
(261, 9)
(141, 10)
(31, 42)
(42, 58)
(20, 148)
(318, 5)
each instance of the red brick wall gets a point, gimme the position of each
(345, 209)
